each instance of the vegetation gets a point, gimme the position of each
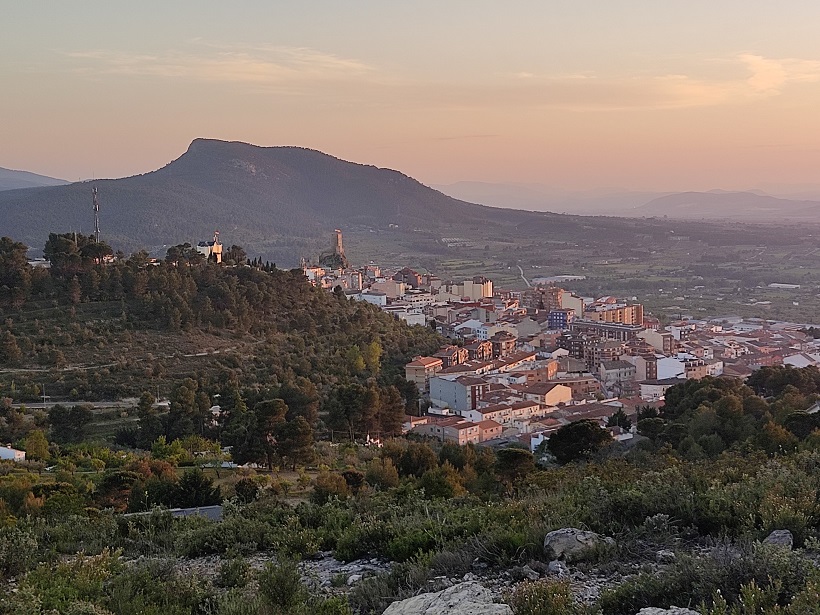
(718, 468)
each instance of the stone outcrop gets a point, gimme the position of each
(672, 610)
(780, 538)
(573, 545)
(468, 598)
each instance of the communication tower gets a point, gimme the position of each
(96, 214)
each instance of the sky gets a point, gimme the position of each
(634, 94)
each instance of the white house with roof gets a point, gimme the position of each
(11, 454)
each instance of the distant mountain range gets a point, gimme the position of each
(12, 180)
(748, 206)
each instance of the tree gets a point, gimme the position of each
(302, 399)
(10, 353)
(246, 490)
(578, 440)
(294, 441)
(513, 464)
(254, 433)
(372, 355)
(355, 360)
(196, 489)
(15, 273)
(417, 459)
(391, 411)
(352, 407)
(382, 474)
(69, 424)
(235, 255)
(620, 419)
(183, 410)
(115, 488)
(442, 482)
(327, 486)
(37, 446)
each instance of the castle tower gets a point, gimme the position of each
(338, 248)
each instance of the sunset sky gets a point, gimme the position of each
(634, 94)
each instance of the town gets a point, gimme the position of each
(522, 364)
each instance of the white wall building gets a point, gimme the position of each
(12, 454)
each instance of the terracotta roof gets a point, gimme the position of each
(423, 362)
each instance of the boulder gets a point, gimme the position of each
(573, 545)
(468, 598)
(780, 538)
(672, 610)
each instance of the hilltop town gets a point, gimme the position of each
(522, 364)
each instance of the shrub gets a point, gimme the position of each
(234, 572)
(328, 486)
(18, 550)
(543, 597)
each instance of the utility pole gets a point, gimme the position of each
(43, 386)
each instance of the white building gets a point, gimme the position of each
(12, 454)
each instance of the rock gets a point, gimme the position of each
(780, 538)
(558, 568)
(530, 574)
(672, 610)
(572, 545)
(468, 598)
(353, 579)
(665, 556)
(469, 577)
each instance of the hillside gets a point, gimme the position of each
(746, 206)
(250, 193)
(12, 180)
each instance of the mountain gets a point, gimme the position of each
(12, 180)
(745, 206)
(251, 194)
(281, 203)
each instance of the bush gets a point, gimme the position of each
(693, 580)
(18, 550)
(234, 572)
(328, 486)
(543, 597)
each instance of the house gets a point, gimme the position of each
(560, 318)
(412, 421)
(460, 393)
(452, 355)
(503, 344)
(453, 429)
(662, 341)
(489, 430)
(547, 393)
(582, 386)
(480, 350)
(421, 369)
(12, 454)
(654, 390)
(616, 374)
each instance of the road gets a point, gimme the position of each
(523, 278)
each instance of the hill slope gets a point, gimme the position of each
(12, 180)
(250, 193)
(746, 206)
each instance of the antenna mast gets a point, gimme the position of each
(96, 215)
